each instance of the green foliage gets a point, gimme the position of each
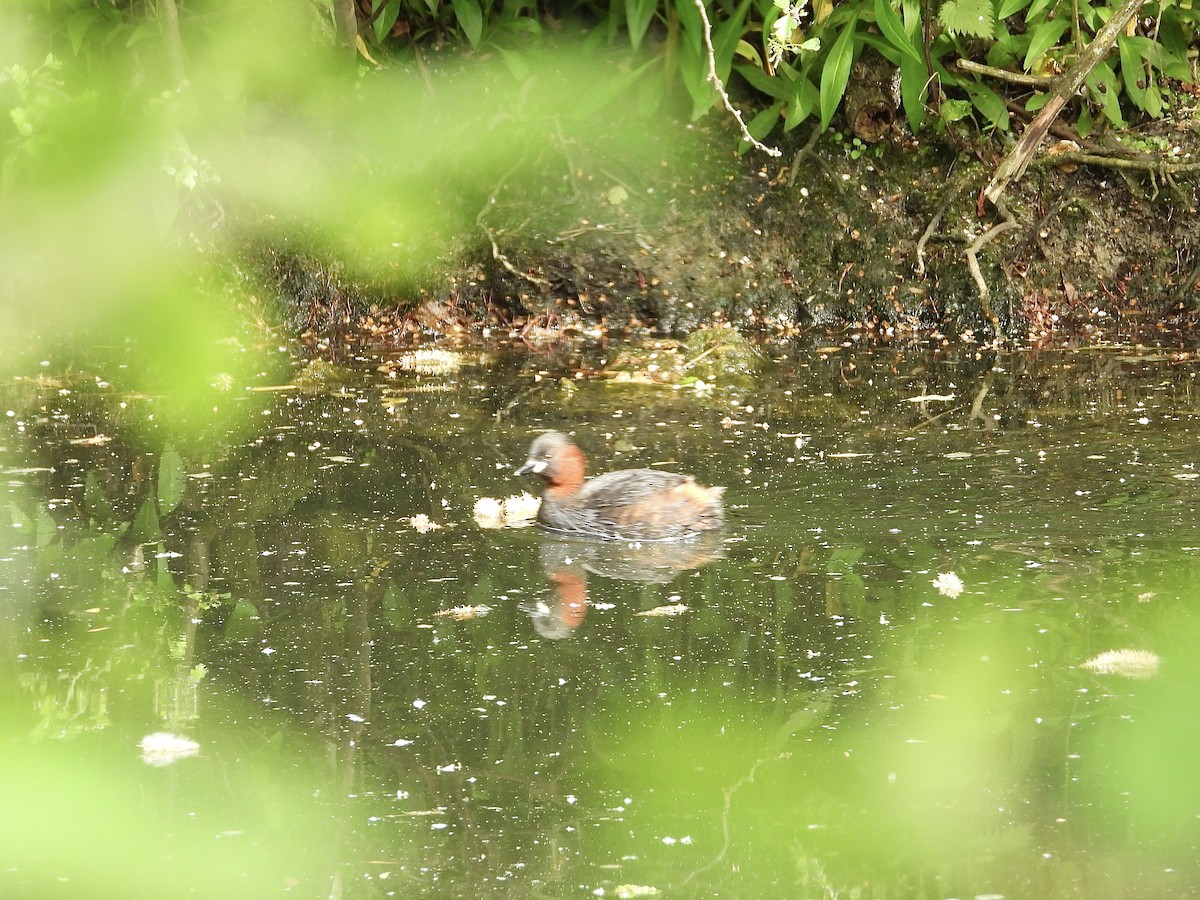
(788, 60)
(969, 17)
(800, 60)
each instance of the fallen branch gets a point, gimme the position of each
(1017, 161)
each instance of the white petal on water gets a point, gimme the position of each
(1127, 663)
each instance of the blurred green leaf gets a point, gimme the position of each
(172, 477)
(638, 15)
(470, 19)
(776, 88)
(386, 19)
(145, 528)
(79, 23)
(802, 103)
(727, 33)
(1010, 8)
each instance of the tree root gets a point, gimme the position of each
(499, 257)
(985, 294)
(1155, 166)
(950, 196)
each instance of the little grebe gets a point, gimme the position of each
(631, 505)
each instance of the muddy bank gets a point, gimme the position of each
(836, 234)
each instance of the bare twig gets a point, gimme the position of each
(951, 194)
(802, 153)
(346, 21)
(716, 80)
(1004, 74)
(172, 41)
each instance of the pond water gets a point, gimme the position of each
(945, 647)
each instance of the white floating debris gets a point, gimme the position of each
(422, 524)
(489, 512)
(463, 613)
(673, 610)
(432, 362)
(1127, 663)
(948, 584)
(511, 512)
(925, 398)
(163, 748)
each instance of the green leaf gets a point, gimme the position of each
(893, 29)
(760, 126)
(1036, 102)
(835, 73)
(972, 17)
(990, 104)
(606, 91)
(1042, 37)
(145, 528)
(726, 38)
(693, 68)
(470, 19)
(1010, 8)
(650, 94)
(1154, 100)
(1085, 123)
(771, 85)
(515, 62)
(1132, 70)
(1036, 8)
(801, 104)
(1174, 40)
(747, 52)
(386, 19)
(638, 14)
(1003, 53)
(147, 31)
(692, 26)
(1104, 89)
(79, 23)
(914, 85)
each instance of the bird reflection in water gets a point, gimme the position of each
(568, 563)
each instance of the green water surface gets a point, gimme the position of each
(817, 719)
